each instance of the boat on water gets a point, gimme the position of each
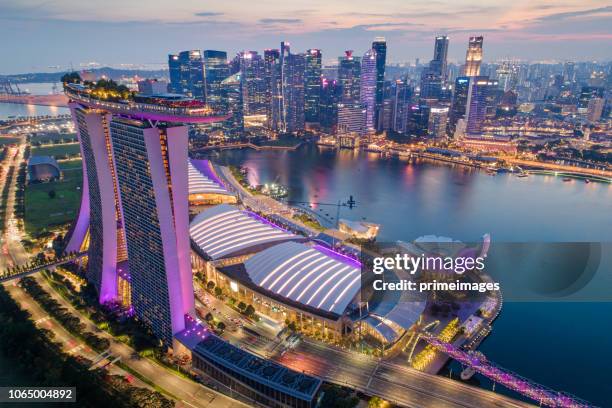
(566, 179)
(587, 181)
(523, 175)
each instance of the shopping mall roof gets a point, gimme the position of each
(225, 230)
(308, 275)
(200, 183)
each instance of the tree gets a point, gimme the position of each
(242, 306)
(221, 326)
(209, 317)
(376, 402)
(210, 285)
(250, 311)
(71, 78)
(51, 193)
(218, 291)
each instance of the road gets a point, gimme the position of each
(188, 392)
(557, 167)
(69, 343)
(399, 384)
(13, 251)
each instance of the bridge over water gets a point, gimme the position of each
(539, 393)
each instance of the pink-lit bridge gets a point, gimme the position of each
(539, 393)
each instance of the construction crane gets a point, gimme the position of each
(350, 203)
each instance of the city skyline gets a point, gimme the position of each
(538, 31)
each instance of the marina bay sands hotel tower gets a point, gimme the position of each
(134, 211)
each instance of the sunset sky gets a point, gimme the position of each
(37, 35)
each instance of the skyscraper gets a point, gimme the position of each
(476, 107)
(174, 69)
(148, 161)
(253, 83)
(433, 78)
(274, 99)
(401, 106)
(473, 57)
(349, 73)
(328, 105)
(216, 70)
(351, 118)
(187, 73)
(135, 203)
(368, 88)
(380, 46)
(312, 85)
(438, 63)
(438, 118)
(231, 97)
(459, 104)
(292, 89)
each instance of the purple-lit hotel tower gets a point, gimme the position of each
(134, 211)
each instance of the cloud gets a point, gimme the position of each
(280, 20)
(208, 14)
(578, 13)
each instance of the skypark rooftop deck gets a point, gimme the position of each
(167, 108)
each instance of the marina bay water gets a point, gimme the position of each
(562, 345)
(8, 110)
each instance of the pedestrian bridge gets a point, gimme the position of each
(29, 269)
(539, 393)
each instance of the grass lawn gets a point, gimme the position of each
(58, 151)
(7, 140)
(70, 164)
(43, 212)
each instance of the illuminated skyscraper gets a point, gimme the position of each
(380, 46)
(473, 57)
(312, 85)
(438, 118)
(293, 67)
(231, 97)
(135, 203)
(460, 98)
(274, 99)
(402, 99)
(328, 105)
(476, 108)
(174, 69)
(433, 78)
(349, 74)
(368, 87)
(439, 61)
(253, 83)
(216, 70)
(351, 118)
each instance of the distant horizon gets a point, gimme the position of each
(164, 66)
(61, 33)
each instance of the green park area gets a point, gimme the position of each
(58, 151)
(54, 203)
(8, 140)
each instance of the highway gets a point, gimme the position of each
(401, 385)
